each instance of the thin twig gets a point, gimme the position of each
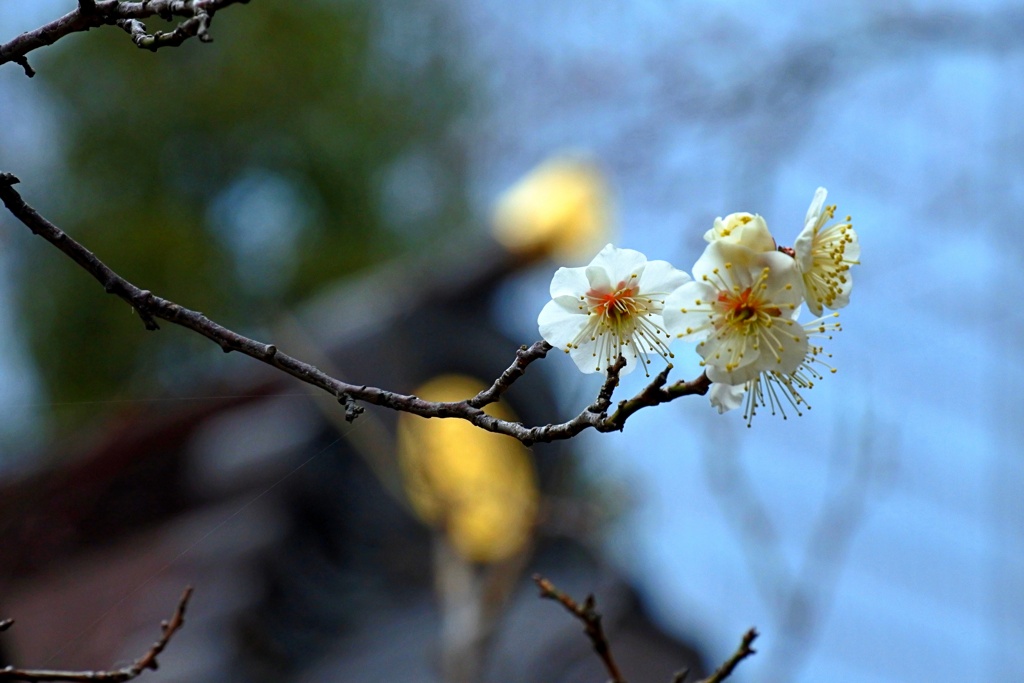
(150, 308)
(128, 15)
(655, 394)
(680, 676)
(146, 661)
(591, 618)
(524, 356)
(22, 61)
(742, 652)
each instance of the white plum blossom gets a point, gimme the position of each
(748, 230)
(824, 256)
(609, 308)
(741, 308)
(821, 258)
(775, 389)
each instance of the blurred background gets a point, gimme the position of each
(328, 176)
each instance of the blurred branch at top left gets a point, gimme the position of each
(90, 14)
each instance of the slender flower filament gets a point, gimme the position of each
(833, 250)
(747, 320)
(619, 320)
(774, 389)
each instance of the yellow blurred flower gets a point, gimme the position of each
(561, 208)
(479, 488)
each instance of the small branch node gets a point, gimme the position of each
(662, 377)
(140, 302)
(203, 32)
(23, 63)
(352, 409)
(6, 624)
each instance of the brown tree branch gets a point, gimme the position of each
(742, 652)
(524, 356)
(128, 15)
(150, 308)
(655, 394)
(591, 618)
(196, 26)
(146, 661)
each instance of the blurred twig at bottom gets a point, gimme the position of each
(146, 661)
(591, 618)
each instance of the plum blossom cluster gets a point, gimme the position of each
(741, 307)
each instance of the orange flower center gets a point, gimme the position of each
(744, 306)
(615, 304)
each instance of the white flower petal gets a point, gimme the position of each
(660, 279)
(560, 323)
(824, 255)
(804, 246)
(734, 351)
(738, 377)
(817, 204)
(620, 264)
(687, 310)
(783, 283)
(743, 311)
(749, 230)
(569, 281)
(589, 360)
(782, 351)
(712, 264)
(599, 279)
(610, 308)
(725, 397)
(852, 251)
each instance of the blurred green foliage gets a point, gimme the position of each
(309, 141)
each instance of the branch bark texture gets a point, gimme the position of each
(90, 14)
